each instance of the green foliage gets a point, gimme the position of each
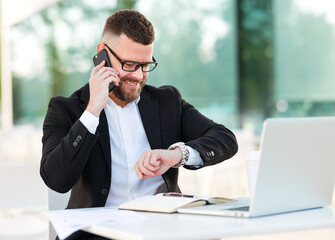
(196, 51)
(227, 69)
(255, 56)
(65, 55)
(205, 76)
(125, 4)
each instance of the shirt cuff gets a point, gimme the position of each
(90, 121)
(194, 158)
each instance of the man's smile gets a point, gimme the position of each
(131, 84)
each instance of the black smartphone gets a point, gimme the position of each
(98, 58)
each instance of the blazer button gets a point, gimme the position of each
(74, 144)
(78, 138)
(104, 191)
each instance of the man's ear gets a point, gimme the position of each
(100, 47)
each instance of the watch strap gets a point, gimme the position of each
(184, 153)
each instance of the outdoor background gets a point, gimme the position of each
(237, 61)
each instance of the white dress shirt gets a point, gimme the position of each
(128, 141)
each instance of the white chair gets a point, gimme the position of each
(23, 197)
(56, 201)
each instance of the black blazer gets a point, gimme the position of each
(73, 158)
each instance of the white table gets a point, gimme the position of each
(189, 226)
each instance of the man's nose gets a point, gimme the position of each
(138, 74)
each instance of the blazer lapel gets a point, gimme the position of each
(104, 139)
(85, 96)
(102, 129)
(149, 110)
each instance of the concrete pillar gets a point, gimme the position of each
(6, 74)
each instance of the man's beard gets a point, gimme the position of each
(125, 94)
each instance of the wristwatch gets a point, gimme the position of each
(184, 153)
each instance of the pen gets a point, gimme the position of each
(174, 194)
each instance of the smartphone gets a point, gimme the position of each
(98, 58)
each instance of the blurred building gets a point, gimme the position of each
(237, 61)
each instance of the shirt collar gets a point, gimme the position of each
(112, 103)
(137, 99)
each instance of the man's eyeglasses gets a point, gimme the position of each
(131, 66)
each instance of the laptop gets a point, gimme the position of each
(296, 169)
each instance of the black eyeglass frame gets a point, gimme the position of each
(138, 64)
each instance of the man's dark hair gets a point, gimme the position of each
(131, 23)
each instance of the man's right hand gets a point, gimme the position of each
(99, 82)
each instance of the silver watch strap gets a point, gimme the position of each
(184, 153)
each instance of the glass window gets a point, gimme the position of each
(196, 50)
(195, 47)
(304, 55)
(52, 54)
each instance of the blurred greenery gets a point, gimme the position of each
(63, 71)
(303, 66)
(255, 58)
(196, 52)
(305, 48)
(126, 4)
(237, 61)
(58, 75)
(205, 76)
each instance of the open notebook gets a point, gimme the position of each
(170, 202)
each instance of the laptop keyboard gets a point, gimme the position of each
(245, 208)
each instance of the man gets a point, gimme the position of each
(109, 148)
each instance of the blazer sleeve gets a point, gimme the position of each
(66, 147)
(214, 142)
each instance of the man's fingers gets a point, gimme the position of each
(146, 177)
(105, 76)
(149, 164)
(155, 159)
(145, 171)
(97, 68)
(141, 172)
(138, 172)
(141, 169)
(107, 69)
(110, 77)
(151, 157)
(105, 73)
